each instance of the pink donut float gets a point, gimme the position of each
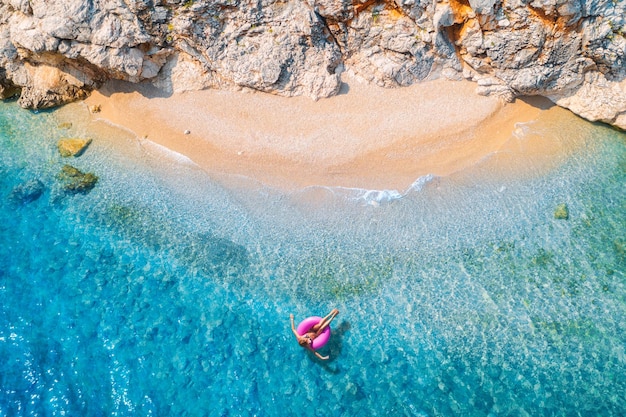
(306, 325)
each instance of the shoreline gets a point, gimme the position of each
(367, 137)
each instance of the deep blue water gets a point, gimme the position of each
(164, 291)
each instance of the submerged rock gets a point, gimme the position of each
(76, 181)
(619, 246)
(27, 192)
(561, 212)
(215, 256)
(72, 146)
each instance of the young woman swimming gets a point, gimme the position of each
(306, 340)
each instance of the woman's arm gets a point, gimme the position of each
(320, 356)
(293, 326)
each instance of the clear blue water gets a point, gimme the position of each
(164, 291)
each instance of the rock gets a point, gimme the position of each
(96, 108)
(74, 181)
(27, 192)
(86, 43)
(561, 212)
(7, 88)
(598, 99)
(47, 86)
(72, 146)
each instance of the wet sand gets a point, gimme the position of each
(366, 137)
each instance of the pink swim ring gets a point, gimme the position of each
(306, 325)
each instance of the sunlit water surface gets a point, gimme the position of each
(164, 291)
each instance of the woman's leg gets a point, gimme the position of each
(325, 322)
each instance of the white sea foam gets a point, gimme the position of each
(161, 151)
(522, 129)
(421, 182)
(378, 197)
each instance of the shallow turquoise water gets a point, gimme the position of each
(166, 292)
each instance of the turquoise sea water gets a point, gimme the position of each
(164, 291)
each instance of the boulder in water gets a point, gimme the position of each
(76, 181)
(72, 146)
(561, 212)
(27, 192)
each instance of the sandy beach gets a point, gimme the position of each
(367, 136)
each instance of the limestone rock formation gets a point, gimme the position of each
(72, 146)
(75, 181)
(561, 212)
(571, 51)
(27, 192)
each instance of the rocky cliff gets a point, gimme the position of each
(571, 51)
